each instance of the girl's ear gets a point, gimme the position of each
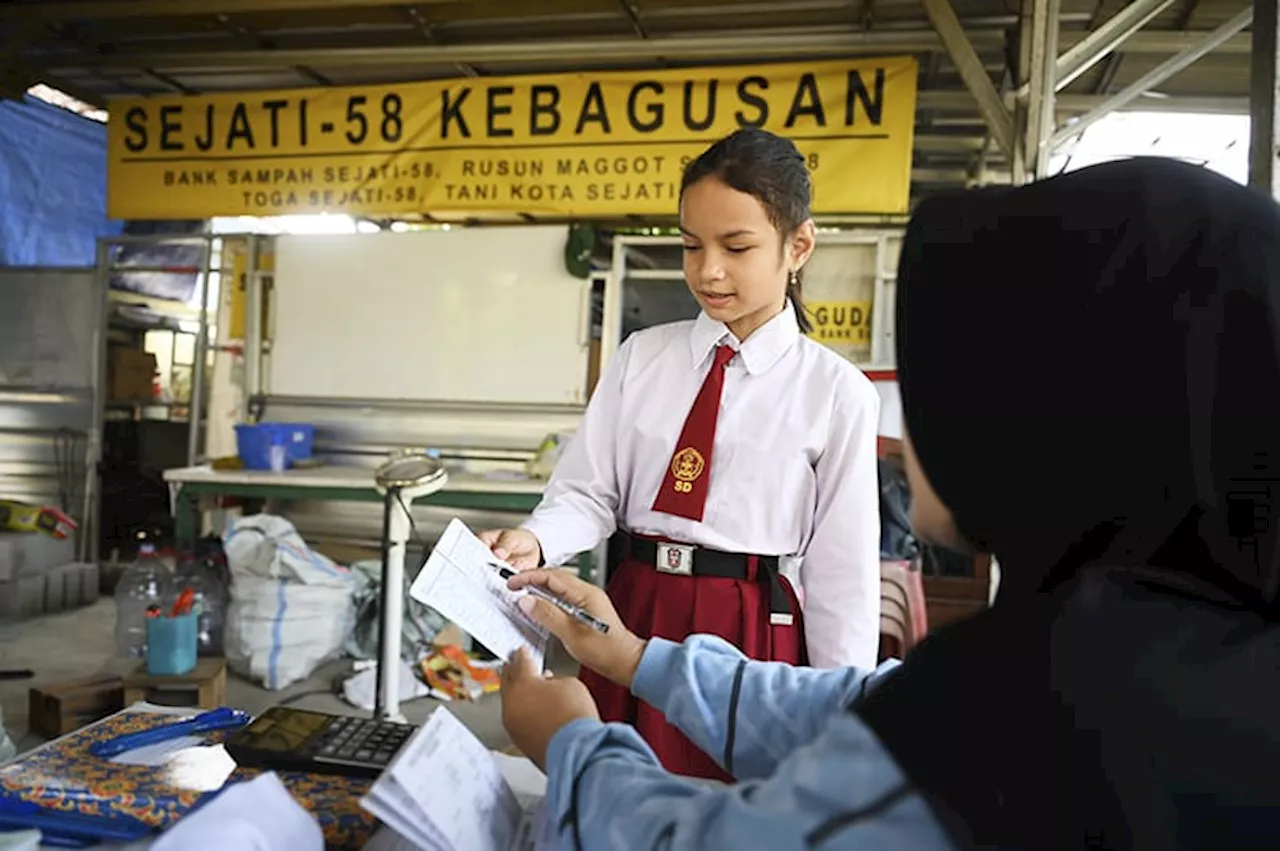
(803, 242)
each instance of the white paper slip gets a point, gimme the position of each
(445, 791)
(459, 583)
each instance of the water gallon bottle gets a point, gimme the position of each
(144, 584)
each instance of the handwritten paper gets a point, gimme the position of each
(459, 582)
(445, 791)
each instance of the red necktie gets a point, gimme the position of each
(684, 488)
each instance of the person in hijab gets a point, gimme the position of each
(1114, 332)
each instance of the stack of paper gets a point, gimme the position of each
(445, 791)
(460, 582)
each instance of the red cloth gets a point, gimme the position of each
(674, 607)
(684, 489)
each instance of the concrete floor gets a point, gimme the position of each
(77, 644)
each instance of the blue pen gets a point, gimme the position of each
(215, 719)
(70, 829)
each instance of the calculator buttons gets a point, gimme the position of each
(362, 741)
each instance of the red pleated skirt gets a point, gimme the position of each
(672, 606)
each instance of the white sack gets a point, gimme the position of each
(291, 608)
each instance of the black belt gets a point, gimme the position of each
(686, 560)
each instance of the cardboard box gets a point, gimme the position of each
(60, 708)
(130, 374)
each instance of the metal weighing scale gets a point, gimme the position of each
(405, 476)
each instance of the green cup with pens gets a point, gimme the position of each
(173, 637)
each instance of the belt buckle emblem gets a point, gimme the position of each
(675, 558)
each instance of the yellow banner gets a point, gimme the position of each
(573, 145)
(844, 323)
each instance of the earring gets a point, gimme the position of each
(793, 279)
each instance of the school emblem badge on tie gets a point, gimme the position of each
(686, 467)
(684, 487)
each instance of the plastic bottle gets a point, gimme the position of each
(210, 603)
(142, 585)
(278, 452)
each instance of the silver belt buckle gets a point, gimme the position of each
(675, 558)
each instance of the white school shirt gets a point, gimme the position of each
(793, 468)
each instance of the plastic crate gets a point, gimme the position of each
(254, 442)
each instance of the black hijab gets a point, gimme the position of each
(1090, 372)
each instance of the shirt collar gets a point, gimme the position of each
(763, 348)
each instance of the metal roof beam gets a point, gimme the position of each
(961, 101)
(632, 11)
(944, 144)
(105, 10)
(762, 45)
(1155, 77)
(972, 72)
(756, 45)
(1106, 39)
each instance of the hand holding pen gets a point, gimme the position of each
(576, 612)
(612, 651)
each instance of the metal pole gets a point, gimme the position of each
(379, 695)
(1264, 138)
(881, 331)
(397, 525)
(1042, 62)
(611, 310)
(1155, 77)
(253, 322)
(1019, 168)
(92, 519)
(196, 408)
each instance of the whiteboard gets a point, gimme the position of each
(465, 315)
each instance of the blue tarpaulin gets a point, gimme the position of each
(53, 185)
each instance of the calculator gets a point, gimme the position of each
(288, 739)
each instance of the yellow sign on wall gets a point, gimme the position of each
(586, 144)
(840, 323)
(238, 299)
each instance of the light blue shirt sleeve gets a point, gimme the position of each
(811, 774)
